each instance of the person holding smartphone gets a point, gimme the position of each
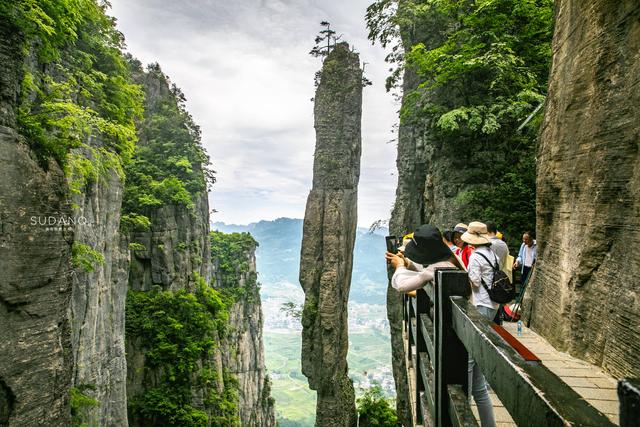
(423, 254)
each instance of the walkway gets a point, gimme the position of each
(591, 382)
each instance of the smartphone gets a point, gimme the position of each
(392, 244)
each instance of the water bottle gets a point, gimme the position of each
(519, 328)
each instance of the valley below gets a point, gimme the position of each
(369, 357)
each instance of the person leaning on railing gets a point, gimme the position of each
(415, 266)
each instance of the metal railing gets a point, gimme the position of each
(443, 329)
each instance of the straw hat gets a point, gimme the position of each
(476, 234)
(460, 228)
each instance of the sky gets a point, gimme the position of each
(248, 78)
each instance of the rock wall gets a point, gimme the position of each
(242, 351)
(60, 327)
(176, 246)
(97, 308)
(329, 235)
(414, 199)
(35, 290)
(586, 296)
(177, 243)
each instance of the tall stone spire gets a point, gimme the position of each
(328, 237)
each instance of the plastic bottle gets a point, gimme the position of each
(519, 328)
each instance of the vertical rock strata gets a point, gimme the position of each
(586, 293)
(329, 236)
(242, 351)
(97, 303)
(60, 326)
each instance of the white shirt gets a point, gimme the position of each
(528, 256)
(480, 269)
(405, 280)
(501, 249)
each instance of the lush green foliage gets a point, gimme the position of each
(375, 410)
(230, 252)
(169, 165)
(178, 331)
(80, 403)
(80, 87)
(83, 256)
(482, 70)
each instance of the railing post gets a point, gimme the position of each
(629, 395)
(422, 306)
(410, 315)
(451, 358)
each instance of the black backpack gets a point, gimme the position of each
(501, 291)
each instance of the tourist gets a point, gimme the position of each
(526, 256)
(447, 238)
(498, 246)
(481, 274)
(463, 248)
(505, 261)
(415, 267)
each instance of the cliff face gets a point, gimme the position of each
(97, 303)
(61, 326)
(65, 253)
(415, 185)
(176, 246)
(329, 236)
(242, 350)
(170, 254)
(35, 339)
(585, 296)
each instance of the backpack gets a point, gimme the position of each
(501, 291)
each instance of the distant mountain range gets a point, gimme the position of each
(278, 257)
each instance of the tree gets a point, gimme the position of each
(375, 410)
(328, 35)
(480, 70)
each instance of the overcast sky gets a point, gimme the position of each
(248, 78)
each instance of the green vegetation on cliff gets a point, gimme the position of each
(77, 86)
(481, 70)
(169, 165)
(375, 410)
(178, 331)
(230, 251)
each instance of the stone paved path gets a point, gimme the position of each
(591, 382)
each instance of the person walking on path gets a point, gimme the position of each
(526, 256)
(480, 270)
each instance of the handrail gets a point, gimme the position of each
(541, 395)
(443, 328)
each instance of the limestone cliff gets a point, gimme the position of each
(169, 254)
(408, 213)
(176, 246)
(207, 361)
(62, 266)
(242, 350)
(585, 297)
(329, 235)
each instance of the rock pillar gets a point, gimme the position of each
(329, 235)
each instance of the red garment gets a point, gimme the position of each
(465, 253)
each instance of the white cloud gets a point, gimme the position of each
(245, 70)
